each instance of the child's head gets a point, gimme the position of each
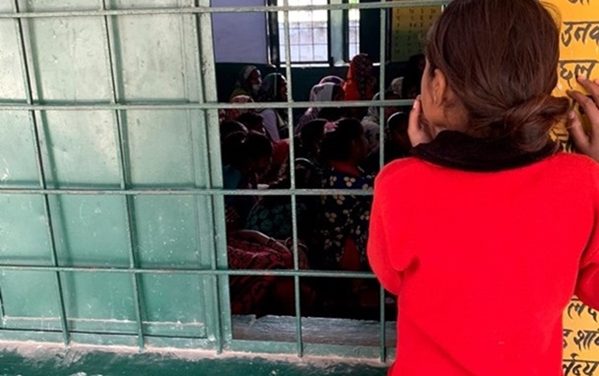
(397, 126)
(230, 145)
(344, 142)
(311, 135)
(491, 68)
(252, 121)
(249, 152)
(230, 126)
(273, 88)
(257, 151)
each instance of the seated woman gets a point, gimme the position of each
(261, 295)
(245, 159)
(371, 122)
(360, 84)
(274, 89)
(308, 170)
(323, 92)
(272, 214)
(397, 143)
(344, 218)
(248, 83)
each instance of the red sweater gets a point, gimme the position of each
(484, 263)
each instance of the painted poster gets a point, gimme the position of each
(408, 30)
(579, 41)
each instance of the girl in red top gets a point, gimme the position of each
(487, 232)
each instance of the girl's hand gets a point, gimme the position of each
(418, 130)
(586, 143)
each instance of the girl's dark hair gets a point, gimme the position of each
(312, 131)
(257, 146)
(500, 58)
(228, 127)
(398, 122)
(251, 120)
(230, 146)
(337, 145)
(240, 148)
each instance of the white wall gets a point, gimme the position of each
(240, 37)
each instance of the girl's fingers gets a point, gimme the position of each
(580, 138)
(591, 109)
(416, 132)
(591, 87)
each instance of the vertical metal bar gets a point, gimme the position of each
(382, 121)
(296, 281)
(121, 157)
(273, 35)
(346, 35)
(383, 327)
(40, 170)
(2, 312)
(382, 87)
(203, 207)
(204, 53)
(337, 33)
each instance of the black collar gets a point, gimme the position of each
(460, 151)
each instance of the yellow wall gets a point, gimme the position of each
(579, 41)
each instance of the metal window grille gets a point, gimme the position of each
(40, 202)
(354, 30)
(309, 33)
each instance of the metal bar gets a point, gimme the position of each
(2, 311)
(206, 9)
(41, 175)
(382, 87)
(296, 281)
(99, 106)
(121, 157)
(188, 271)
(205, 54)
(382, 121)
(186, 192)
(383, 326)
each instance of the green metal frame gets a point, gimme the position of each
(209, 195)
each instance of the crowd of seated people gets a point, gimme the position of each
(335, 148)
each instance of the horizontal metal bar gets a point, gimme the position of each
(203, 9)
(105, 333)
(187, 192)
(183, 271)
(108, 106)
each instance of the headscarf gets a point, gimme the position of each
(372, 128)
(371, 122)
(333, 79)
(360, 83)
(242, 86)
(269, 91)
(322, 92)
(397, 86)
(373, 111)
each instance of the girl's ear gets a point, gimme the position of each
(439, 87)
